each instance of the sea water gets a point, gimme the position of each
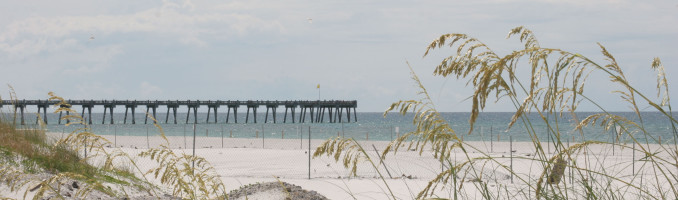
(369, 126)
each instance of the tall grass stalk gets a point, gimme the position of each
(553, 87)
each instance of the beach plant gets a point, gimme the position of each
(189, 176)
(29, 151)
(69, 158)
(549, 83)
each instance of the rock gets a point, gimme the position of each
(75, 185)
(295, 192)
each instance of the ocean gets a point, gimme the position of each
(369, 126)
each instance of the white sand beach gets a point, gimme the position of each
(244, 161)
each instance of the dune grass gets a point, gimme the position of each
(27, 150)
(553, 87)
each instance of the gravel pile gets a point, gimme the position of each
(274, 190)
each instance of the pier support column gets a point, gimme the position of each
(247, 116)
(37, 118)
(153, 109)
(235, 114)
(21, 109)
(228, 112)
(348, 114)
(22, 115)
(130, 107)
(155, 120)
(302, 114)
(167, 115)
(215, 114)
(312, 121)
(318, 114)
(44, 113)
(292, 109)
(195, 115)
(174, 110)
(108, 107)
(255, 114)
(44, 118)
(274, 112)
(111, 113)
(146, 115)
(83, 114)
(89, 114)
(209, 110)
(134, 121)
(103, 119)
(266, 116)
(188, 114)
(124, 120)
(285, 117)
(67, 113)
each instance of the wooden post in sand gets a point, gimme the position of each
(549, 142)
(309, 152)
(193, 165)
(491, 139)
(511, 154)
(614, 140)
(263, 136)
(148, 144)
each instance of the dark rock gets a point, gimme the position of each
(75, 185)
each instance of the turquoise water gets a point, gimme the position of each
(372, 126)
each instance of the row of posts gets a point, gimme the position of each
(393, 129)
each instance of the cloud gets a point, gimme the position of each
(149, 91)
(179, 21)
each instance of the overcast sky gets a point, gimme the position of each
(281, 50)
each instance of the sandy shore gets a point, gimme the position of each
(242, 161)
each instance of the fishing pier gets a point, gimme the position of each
(335, 110)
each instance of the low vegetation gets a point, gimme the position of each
(27, 152)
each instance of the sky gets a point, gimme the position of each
(281, 50)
